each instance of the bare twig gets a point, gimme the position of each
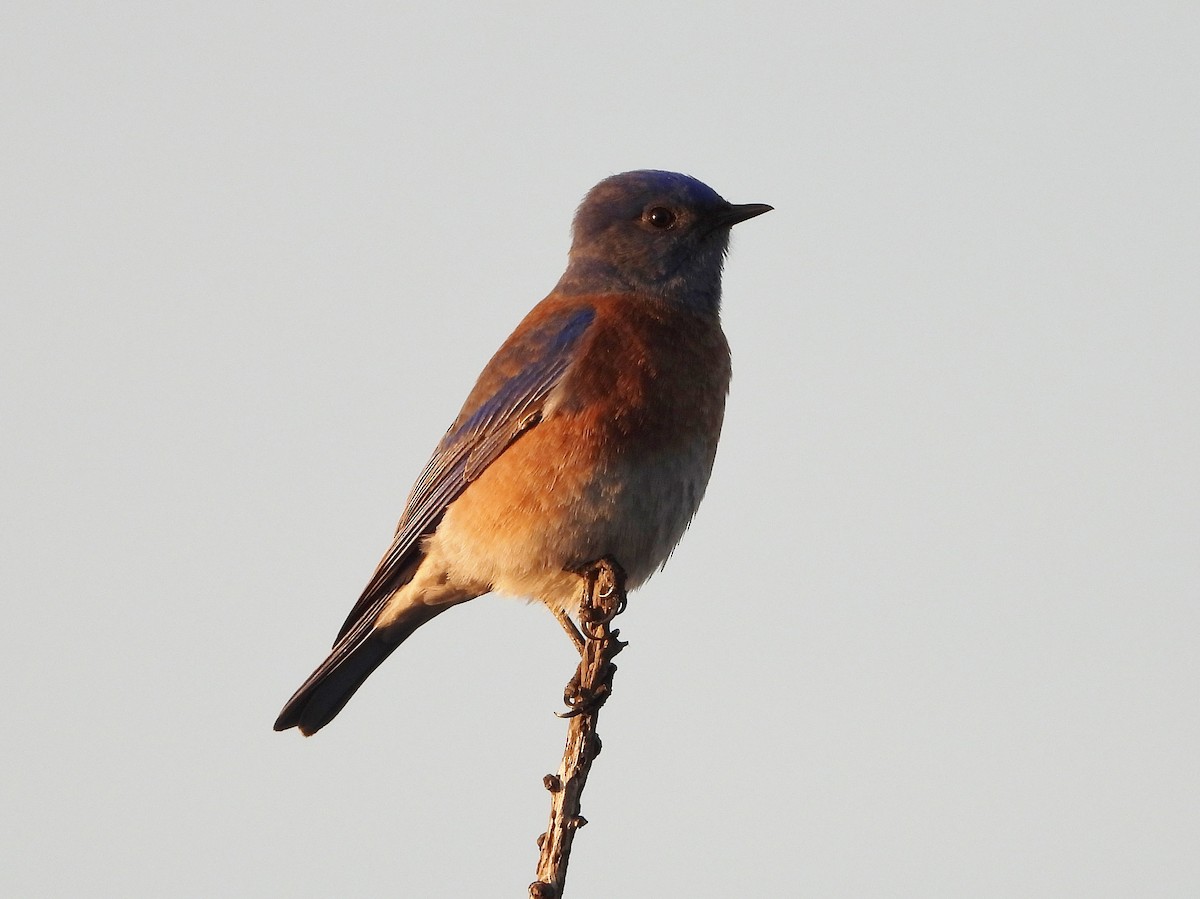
(603, 599)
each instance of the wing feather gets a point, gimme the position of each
(507, 401)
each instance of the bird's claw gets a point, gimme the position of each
(583, 702)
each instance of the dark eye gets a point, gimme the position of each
(660, 217)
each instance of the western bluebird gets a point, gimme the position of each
(590, 433)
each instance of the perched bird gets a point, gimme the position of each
(590, 433)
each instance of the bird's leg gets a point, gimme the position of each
(603, 596)
(603, 599)
(572, 631)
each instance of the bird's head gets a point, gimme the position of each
(657, 233)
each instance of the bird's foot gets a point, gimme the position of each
(603, 596)
(581, 700)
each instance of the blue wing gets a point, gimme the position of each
(506, 402)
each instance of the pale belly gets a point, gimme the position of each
(533, 516)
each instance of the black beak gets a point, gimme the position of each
(740, 212)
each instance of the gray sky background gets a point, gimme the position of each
(934, 630)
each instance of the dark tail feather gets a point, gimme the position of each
(330, 687)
